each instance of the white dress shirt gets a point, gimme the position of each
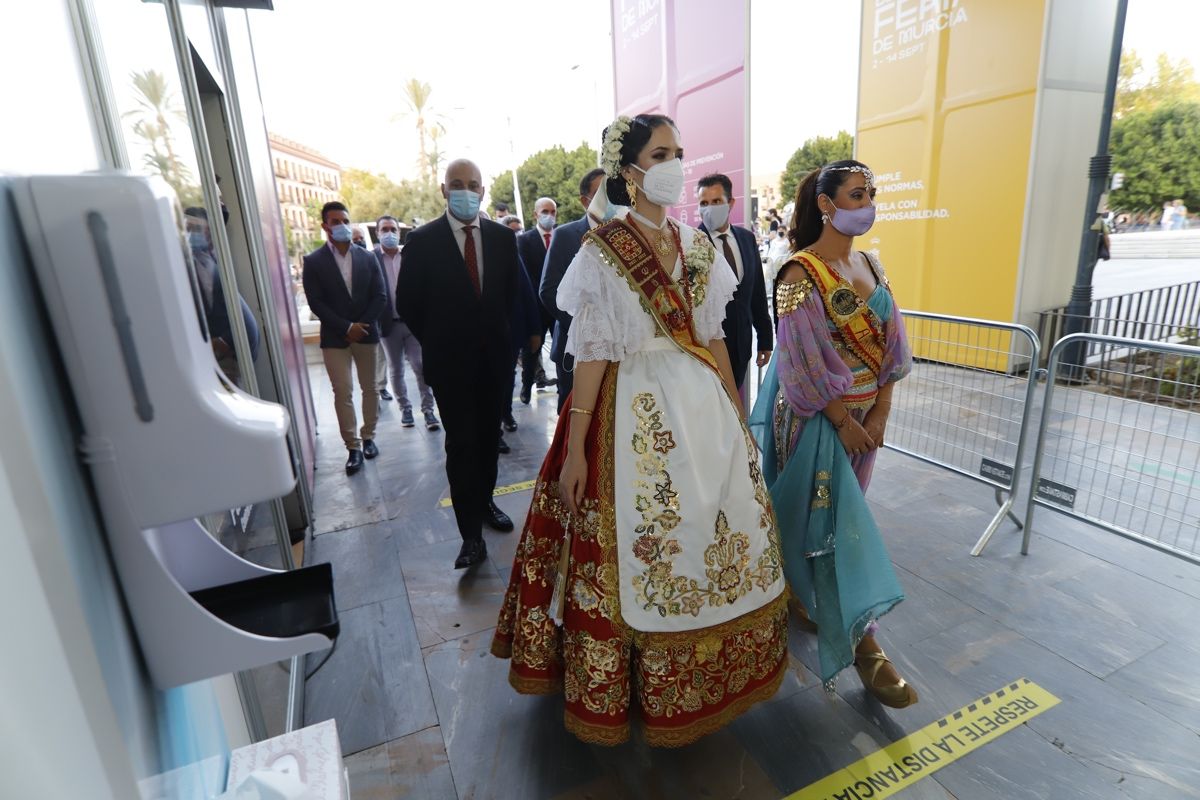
(458, 227)
(733, 245)
(345, 265)
(391, 274)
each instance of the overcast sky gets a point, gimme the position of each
(548, 69)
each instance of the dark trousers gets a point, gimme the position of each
(506, 401)
(531, 360)
(566, 378)
(471, 414)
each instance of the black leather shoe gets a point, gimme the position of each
(471, 553)
(385, 394)
(369, 448)
(497, 519)
(526, 395)
(510, 424)
(503, 449)
(354, 462)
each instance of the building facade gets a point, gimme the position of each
(302, 177)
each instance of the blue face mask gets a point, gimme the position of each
(197, 240)
(546, 221)
(389, 240)
(464, 204)
(341, 233)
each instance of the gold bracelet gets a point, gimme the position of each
(581, 411)
(839, 425)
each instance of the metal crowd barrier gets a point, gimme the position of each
(1122, 451)
(966, 405)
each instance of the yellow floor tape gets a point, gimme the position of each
(512, 488)
(903, 763)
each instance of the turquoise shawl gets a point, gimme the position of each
(833, 555)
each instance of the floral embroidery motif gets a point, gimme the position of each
(729, 574)
(698, 261)
(682, 674)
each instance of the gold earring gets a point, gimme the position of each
(631, 190)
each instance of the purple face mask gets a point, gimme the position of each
(853, 221)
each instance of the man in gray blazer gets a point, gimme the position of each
(564, 244)
(344, 288)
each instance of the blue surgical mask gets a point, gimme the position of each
(464, 204)
(197, 240)
(546, 221)
(341, 233)
(390, 240)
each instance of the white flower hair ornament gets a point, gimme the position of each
(614, 138)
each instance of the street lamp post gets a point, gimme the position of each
(1080, 306)
(512, 153)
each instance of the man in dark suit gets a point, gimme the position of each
(216, 313)
(344, 287)
(532, 245)
(564, 245)
(747, 313)
(456, 290)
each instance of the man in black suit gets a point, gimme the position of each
(564, 245)
(748, 309)
(456, 290)
(344, 287)
(216, 314)
(532, 245)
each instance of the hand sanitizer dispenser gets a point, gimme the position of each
(166, 436)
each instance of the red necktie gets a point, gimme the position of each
(546, 236)
(471, 259)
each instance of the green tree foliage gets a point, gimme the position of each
(1158, 152)
(1155, 142)
(370, 196)
(1171, 82)
(815, 152)
(553, 173)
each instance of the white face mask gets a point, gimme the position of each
(715, 217)
(663, 183)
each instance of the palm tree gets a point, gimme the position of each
(157, 106)
(435, 155)
(416, 94)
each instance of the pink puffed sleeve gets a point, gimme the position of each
(811, 373)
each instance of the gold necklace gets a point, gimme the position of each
(663, 244)
(662, 238)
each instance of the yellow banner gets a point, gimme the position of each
(947, 93)
(918, 755)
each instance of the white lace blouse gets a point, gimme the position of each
(609, 321)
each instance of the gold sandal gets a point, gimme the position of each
(896, 695)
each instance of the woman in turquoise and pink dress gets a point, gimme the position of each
(821, 418)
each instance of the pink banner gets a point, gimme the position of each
(688, 60)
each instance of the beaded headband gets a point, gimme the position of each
(614, 139)
(866, 173)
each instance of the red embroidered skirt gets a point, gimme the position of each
(686, 684)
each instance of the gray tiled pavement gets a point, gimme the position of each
(424, 711)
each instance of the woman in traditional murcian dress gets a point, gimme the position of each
(651, 535)
(820, 418)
